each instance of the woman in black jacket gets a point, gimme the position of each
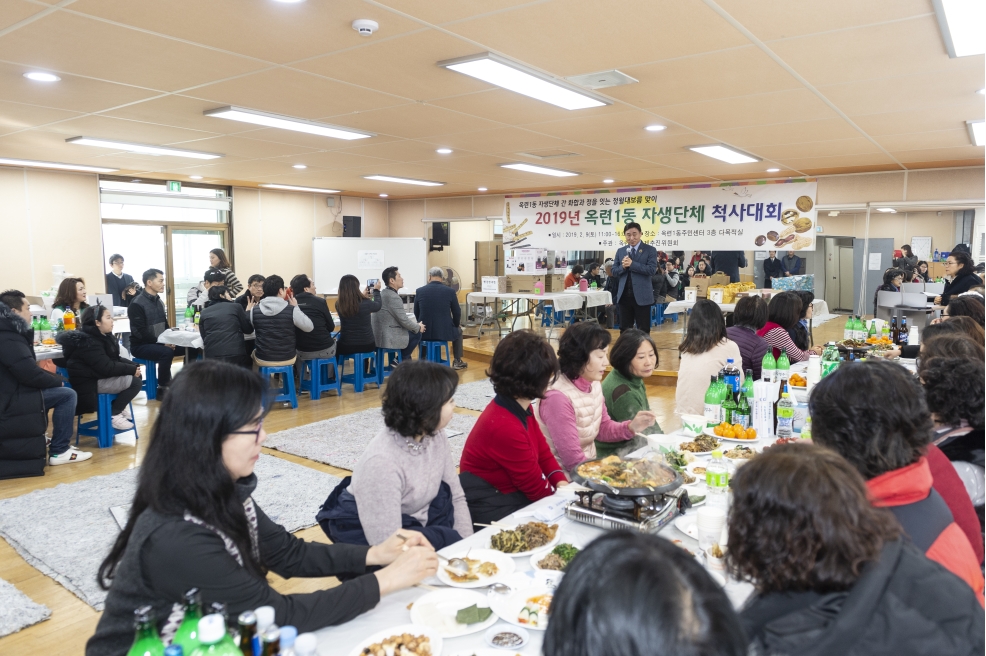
(94, 364)
(921, 273)
(222, 326)
(832, 573)
(960, 266)
(892, 280)
(355, 308)
(193, 524)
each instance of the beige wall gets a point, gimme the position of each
(47, 218)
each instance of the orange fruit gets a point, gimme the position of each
(752, 433)
(737, 429)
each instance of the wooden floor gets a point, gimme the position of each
(73, 621)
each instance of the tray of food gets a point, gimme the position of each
(453, 613)
(703, 445)
(797, 380)
(855, 345)
(630, 477)
(556, 559)
(486, 566)
(522, 540)
(404, 640)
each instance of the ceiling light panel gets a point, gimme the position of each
(410, 181)
(977, 132)
(724, 154)
(38, 76)
(509, 75)
(543, 170)
(295, 188)
(4, 161)
(146, 149)
(287, 123)
(961, 23)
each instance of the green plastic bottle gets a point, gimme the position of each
(872, 331)
(850, 330)
(768, 367)
(187, 634)
(783, 368)
(189, 315)
(713, 405)
(747, 389)
(147, 642)
(860, 329)
(212, 638)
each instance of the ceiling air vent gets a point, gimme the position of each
(602, 79)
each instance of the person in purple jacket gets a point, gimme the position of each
(750, 316)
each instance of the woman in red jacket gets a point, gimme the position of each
(506, 463)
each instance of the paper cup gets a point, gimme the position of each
(709, 522)
(715, 564)
(693, 425)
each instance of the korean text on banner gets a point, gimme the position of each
(774, 214)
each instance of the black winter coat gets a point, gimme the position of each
(148, 319)
(222, 326)
(902, 604)
(437, 307)
(729, 262)
(959, 285)
(115, 286)
(89, 356)
(316, 309)
(23, 419)
(772, 268)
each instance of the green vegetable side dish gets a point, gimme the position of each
(559, 557)
(473, 615)
(674, 458)
(566, 552)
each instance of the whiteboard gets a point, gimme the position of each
(334, 257)
(921, 246)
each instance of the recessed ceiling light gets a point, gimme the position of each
(299, 166)
(287, 123)
(6, 161)
(834, 213)
(444, 151)
(38, 76)
(724, 153)
(294, 188)
(977, 132)
(289, 2)
(772, 170)
(656, 128)
(390, 178)
(543, 170)
(607, 181)
(886, 210)
(482, 189)
(195, 177)
(512, 76)
(961, 24)
(145, 149)
(982, 92)
(383, 195)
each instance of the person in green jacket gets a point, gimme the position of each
(634, 358)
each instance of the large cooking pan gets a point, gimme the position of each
(602, 486)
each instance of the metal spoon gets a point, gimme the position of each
(457, 565)
(500, 588)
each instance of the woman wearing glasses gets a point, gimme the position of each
(193, 523)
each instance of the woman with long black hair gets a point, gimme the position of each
(193, 523)
(355, 323)
(703, 353)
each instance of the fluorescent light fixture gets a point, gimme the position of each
(543, 170)
(772, 170)
(315, 190)
(195, 177)
(512, 76)
(38, 76)
(444, 151)
(724, 153)
(299, 166)
(607, 181)
(287, 123)
(656, 128)
(6, 161)
(481, 189)
(961, 23)
(977, 132)
(145, 149)
(384, 195)
(289, 2)
(886, 210)
(390, 178)
(834, 213)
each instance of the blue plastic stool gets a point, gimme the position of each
(387, 359)
(286, 392)
(63, 372)
(359, 379)
(102, 427)
(432, 352)
(148, 383)
(318, 380)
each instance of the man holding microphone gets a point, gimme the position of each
(634, 266)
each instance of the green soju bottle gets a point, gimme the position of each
(147, 642)
(768, 367)
(783, 368)
(187, 634)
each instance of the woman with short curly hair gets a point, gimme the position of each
(406, 476)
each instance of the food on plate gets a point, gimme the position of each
(735, 431)
(688, 478)
(804, 203)
(740, 453)
(404, 644)
(619, 473)
(698, 471)
(851, 343)
(802, 224)
(797, 380)
(701, 444)
(477, 568)
(473, 614)
(559, 558)
(525, 537)
(507, 639)
(535, 611)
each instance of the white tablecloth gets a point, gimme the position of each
(681, 306)
(47, 355)
(392, 609)
(560, 300)
(186, 338)
(593, 298)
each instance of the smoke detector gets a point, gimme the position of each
(365, 26)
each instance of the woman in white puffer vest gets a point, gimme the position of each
(573, 414)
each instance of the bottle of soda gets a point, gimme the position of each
(936, 257)
(785, 416)
(212, 638)
(68, 319)
(717, 481)
(742, 414)
(783, 368)
(232, 629)
(729, 408)
(731, 374)
(187, 634)
(248, 631)
(830, 359)
(147, 642)
(198, 315)
(850, 330)
(768, 367)
(713, 405)
(747, 388)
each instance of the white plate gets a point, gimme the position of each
(702, 454)
(541, 553)
(413, 629)
(446, 603)
(687, 524)
(504, 564)
(708, 431)
(508, 606)
(506, 525)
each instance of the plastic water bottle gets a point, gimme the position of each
(783, 368)
(768, 367)
(288, 635)
(936, 257)
(713, 406)
(305, 644)
(806, 429)
(717, 481)
(212, 638)
(785, 416)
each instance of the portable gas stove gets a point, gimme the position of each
(644, 513)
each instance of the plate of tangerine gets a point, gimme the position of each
(732, 432)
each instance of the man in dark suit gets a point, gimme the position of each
(772, 268)
(729, 262)
(792, 264)
(437, 307)
(634, 266)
